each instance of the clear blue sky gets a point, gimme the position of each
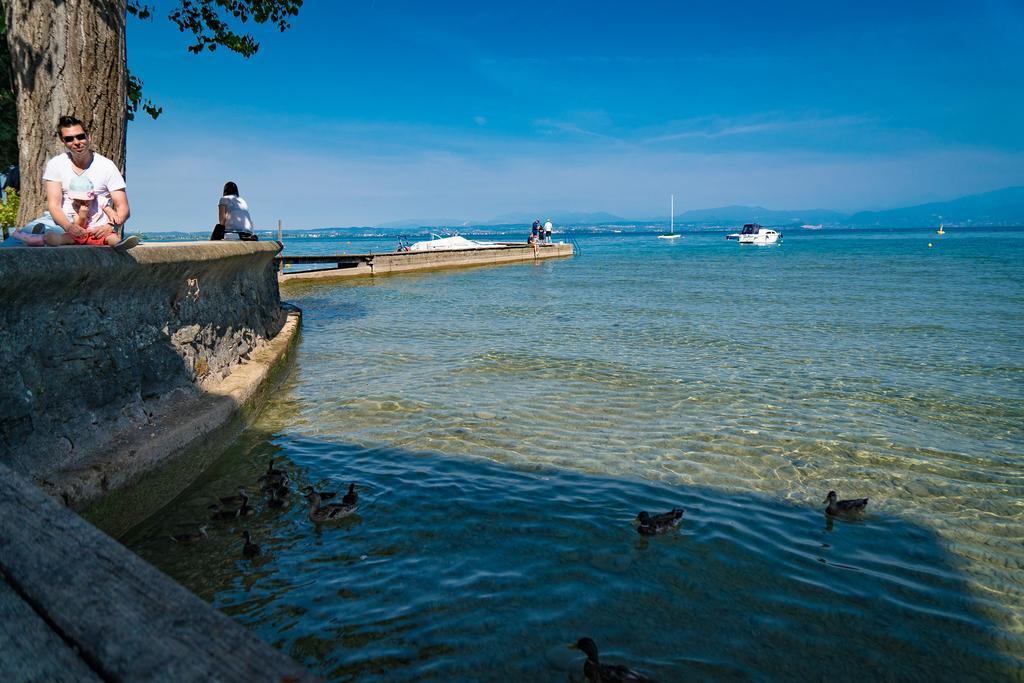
(369, 111)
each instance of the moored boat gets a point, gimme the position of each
(752, 233)
(671, 234)
(455, 242)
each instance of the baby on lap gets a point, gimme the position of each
(90, 212)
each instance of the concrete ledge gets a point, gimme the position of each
(146, 467)
(415, 261)
(95, 342)
(76, 605)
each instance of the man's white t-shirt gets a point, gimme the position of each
(101, 178)
(236, 218)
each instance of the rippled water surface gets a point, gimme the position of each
(506, 424)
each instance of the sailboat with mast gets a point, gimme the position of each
(671, 234)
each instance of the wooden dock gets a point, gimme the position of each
(353, 265)
(77, 606)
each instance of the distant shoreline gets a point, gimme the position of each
(519, 230)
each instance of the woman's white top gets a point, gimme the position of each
(236, 214)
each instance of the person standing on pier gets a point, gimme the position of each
(536, 230)
(547, 231)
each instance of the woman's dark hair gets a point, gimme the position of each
(68, 122)
(230, 189)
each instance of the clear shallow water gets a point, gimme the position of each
(506, 424)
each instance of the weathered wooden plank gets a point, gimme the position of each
(30, 651)
(129, 621)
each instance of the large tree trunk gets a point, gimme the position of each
(68, 57)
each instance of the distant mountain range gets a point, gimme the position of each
(562, 217)
(759, 214)
(1000, 207)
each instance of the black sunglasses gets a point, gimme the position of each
(72, 138)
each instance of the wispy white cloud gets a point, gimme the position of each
(573, 128)
(711, 127)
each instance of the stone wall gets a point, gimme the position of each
(94, 342)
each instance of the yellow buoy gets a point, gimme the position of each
(929, 244)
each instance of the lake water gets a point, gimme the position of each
(506, 424)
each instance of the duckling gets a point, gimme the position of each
(250, 549)
(324, 495)
(596, 672)
(351, 498)
(235, 499)
(844, 508)
(278, 497)
(230, 512)
(190, 536)
(658, 524)
(273, 477)
(246, 510)
(281, 484)
(326, 513)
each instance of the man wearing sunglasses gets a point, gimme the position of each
(78, 170)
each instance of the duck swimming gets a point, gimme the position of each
(190, 536)
(278, 497)
(324, 495)
(236, 499)
(658, 524)
(230, 512)
(596, 672)
(273, 477)
(351, 498)
(326, 513)
(250, 549)
(844, 508)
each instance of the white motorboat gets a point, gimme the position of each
(438, 243)
(752, 233)
(811, 227)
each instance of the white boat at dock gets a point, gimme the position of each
(438, 243)
(752, 233)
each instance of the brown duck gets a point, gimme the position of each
(190, 536)
(652, 525)
(351, 498)
(844, 508)
(596, 672)
(230, 512)
(332, 512)
(273, 477)
(235, 499)
(250, 549)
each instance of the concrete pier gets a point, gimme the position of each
(355, 265)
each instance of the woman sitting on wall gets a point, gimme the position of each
(233, 220)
